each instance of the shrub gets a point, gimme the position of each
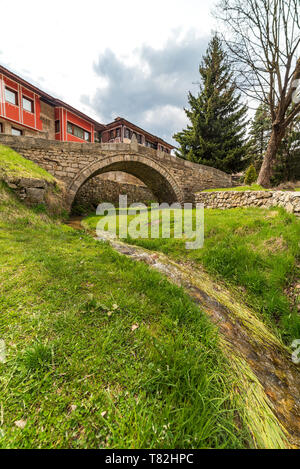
(250, 175)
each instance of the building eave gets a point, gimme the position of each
(123, 121)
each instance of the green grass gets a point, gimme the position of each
(253, 187)
(254, 249)
(15, 166)
(78, 375)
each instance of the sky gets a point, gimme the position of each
(133, 59)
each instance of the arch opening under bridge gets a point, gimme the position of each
(155, 176)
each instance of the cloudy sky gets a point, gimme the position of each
(133, 58)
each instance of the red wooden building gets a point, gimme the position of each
(27, 110)
(121, 130)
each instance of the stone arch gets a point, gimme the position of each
(153, 175)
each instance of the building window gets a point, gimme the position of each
(1, 128)
(78, 132)
(16, 132)
(118, 132)
(28, 104)
(139, 138)
(112, 134)
(70, 128)
(87, 136)
(57, 126)
(97, 137)
(151, 145)
(127, 133)
(11, 96)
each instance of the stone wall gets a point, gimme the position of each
(125, 178)
(32, 191)
(265, 199)
(98, 190)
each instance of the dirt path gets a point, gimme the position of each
(268, 382)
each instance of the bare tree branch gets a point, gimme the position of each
(263, 39)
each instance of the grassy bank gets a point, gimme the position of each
(256, 250)
(102, 352)
(14, 165)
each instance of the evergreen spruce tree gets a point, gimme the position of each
(216, 135)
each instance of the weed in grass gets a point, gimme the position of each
(38, 357)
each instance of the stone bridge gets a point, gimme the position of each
(170, 179)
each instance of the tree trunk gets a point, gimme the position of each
(270, 155)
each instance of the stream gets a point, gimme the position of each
(268, 382)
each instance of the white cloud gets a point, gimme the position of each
(158, 82)
(170, 118)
